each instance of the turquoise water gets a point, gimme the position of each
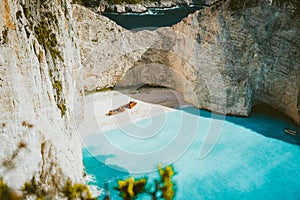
(154, 18)
(253, 158)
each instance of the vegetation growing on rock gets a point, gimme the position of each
(164, 187)
(47, 38)
(6, 193)
(37, 42)
(34, 190)
(77, 191)
(94, 3)
(130, 188)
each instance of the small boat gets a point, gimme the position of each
(131, 104)
(115, 111)
(289, 131)
(121, 109)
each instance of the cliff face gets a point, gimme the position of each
(221, 60)
(123, 6)
(40, 90)
(107, 50)
(256, 50)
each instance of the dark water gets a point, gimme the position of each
(154, 18)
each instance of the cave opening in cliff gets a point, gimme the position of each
(155, 94)
(160, 79)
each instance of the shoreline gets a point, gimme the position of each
(142, 7)
(150, 102)
(124, 9)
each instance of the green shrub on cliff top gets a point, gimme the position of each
(130, 188)
(163, 188)
(77, 191)
(33, 188)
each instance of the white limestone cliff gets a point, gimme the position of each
(220, 59)
(100, 6)
(41, 93)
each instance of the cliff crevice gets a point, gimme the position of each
(40, 87)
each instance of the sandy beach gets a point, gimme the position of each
(162, 96)
(150, 102)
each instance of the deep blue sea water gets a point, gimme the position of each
(154, 18)
(253, 157)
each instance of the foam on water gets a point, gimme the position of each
(253, 158)
(154, 17)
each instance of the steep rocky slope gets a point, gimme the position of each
(40, 90)
(107, 50)
(136, 6)
(256, 50)
(221, 59)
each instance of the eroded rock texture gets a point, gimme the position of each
(40, 90)
(221, 59)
